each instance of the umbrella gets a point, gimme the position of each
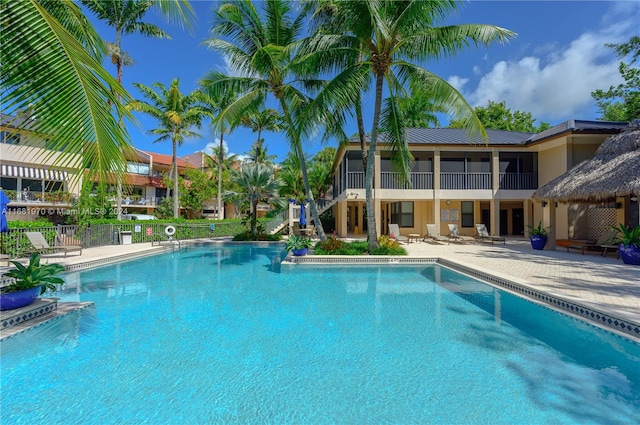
(4, 227)
(303, 216)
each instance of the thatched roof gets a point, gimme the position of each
(614, 171)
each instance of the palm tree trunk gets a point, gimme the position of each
(176, 211)
(254, 216)
(372, 232)
(361, 133)
(297, 146)
(220, 162)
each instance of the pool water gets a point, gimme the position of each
(224, 334)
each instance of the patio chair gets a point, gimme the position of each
(394, 233)
(484, 236)
(604, 241)
(432, 233)
(41, 245)
(456, 236)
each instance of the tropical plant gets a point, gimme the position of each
(261, 49)
(290, 176)
(628, 236)
(497, 116)
(538, 230)
(265, 120)
(257, 183)
(52, 81)
(177, 114)
(386, 36)
(34, 275)
(298, 242)
(196, 192)
(622, 102)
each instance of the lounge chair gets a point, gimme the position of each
(41, 245)
(484, 236)
(394, 233)
(432, 233)
(605, 239)
(456, 236)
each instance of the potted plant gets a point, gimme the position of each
(628, 244)
(30, 281)
(298, 245)
(538, 236)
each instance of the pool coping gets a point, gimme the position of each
(518, 287)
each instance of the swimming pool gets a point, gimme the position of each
(222, 334)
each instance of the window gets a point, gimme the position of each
(138, 168)
(10, 138)
(467, 214)
(402, 213)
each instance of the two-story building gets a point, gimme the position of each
(456, 179)
(39, 181)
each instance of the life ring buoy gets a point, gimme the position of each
(170, 230)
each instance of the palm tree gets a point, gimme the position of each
(50, 72)
(258, 183)
(217, 105)
(125, 17)
(263, 52)
(259, 154)
(264, 120)
(290, 175)
(222, 162)
(388, 35)
(177, 114)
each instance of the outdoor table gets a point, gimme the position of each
(415, 237)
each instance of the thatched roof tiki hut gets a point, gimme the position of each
(613, 173)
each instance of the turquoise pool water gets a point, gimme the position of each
(222, 334)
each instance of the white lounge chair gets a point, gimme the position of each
(432, 233)
(41, 245)
(456, 236)
(483, 235)
(394, 233)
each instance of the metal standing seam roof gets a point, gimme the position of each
(457, 136)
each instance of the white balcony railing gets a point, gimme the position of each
(465, 181)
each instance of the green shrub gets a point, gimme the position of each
(248, 236)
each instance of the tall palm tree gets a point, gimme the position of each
(258, 183)
(264, 120)
(261, 49)
(222, 162)
(125, 16)
(259, 154)
(177, 114)
(217, 105)
(50, 70)
(389, 36)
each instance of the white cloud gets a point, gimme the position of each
(556, 84)
(458, 82)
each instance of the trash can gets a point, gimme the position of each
(116, 237)
(125, 238)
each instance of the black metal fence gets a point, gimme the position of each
(16, 244)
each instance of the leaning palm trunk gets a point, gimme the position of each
(372, 231)
(220, 162)
(303, 168)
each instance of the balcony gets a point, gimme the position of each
(418, 180)
(465, 181)
(518, 181)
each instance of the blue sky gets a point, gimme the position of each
(557, 59)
